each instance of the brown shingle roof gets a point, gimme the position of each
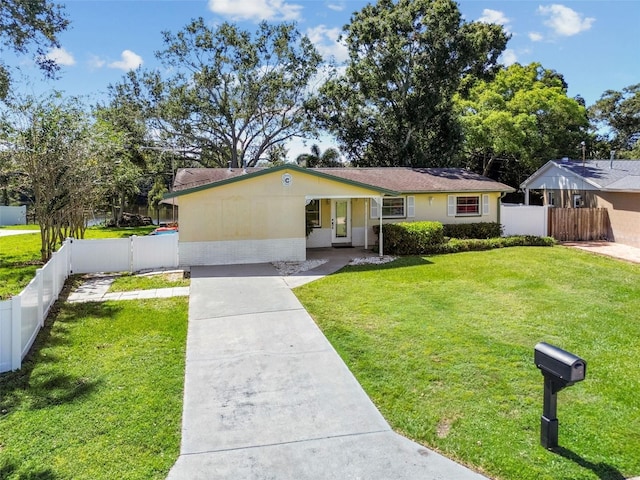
(418, 180)
(398, 179)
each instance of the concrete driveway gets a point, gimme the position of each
(4, 232)
(267, 397)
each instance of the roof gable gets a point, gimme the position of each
(608, 175)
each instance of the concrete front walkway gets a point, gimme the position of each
(267, 397)
(96, 289)
(609, 249)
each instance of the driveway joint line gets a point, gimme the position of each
(292, 442)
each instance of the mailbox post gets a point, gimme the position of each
(560, 369)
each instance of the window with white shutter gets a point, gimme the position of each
(374, 209)
(411, 207)
(451, 206)
(485, 204)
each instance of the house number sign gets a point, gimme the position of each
(287, 179)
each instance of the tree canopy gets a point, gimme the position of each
(329, 158)
(52, 143)
(618, 112)
(393, 105)
(515, 123)
(25, 25)
(235, 95)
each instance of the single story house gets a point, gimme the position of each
(610, 184)
(257, 215)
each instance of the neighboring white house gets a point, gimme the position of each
(610, 184)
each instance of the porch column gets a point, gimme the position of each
(380, 249)
(366, 226)
(526, 196)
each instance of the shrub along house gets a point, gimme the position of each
(261, 214)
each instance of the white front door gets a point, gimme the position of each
(341, 220)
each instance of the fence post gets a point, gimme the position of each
(55, 260)
(40, 284)
(545, 224)
(131, 248)
(16, 332)
(70, 255)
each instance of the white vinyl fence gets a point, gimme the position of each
(13, 215)
(22, 317)
(524, 219)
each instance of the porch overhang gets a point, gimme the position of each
(377, 198)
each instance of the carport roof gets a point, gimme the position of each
(605, 175)
(386, 180)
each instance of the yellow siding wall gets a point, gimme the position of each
(433, 207)
(257, 208)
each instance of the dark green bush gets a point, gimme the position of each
(476, 245)
(407, 238)
(473, 230)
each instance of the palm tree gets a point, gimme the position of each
(330, 158)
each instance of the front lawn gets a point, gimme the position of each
(99, 396)
(444, 347)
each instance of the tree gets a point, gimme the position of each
(329, 158)
(235, 96)
(52, 143)
(515, 123)
(619, 113)
(123, 122)
(393, 106)
(28, 23)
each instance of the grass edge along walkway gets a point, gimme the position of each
(99, 396)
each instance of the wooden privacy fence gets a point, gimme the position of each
(579, 224)
(22, 317)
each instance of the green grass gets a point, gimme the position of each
(99, 396)
(444, 347)
(20, 227)
(20, 255)
(129, 283)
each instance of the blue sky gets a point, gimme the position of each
(594, 44)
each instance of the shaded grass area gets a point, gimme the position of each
(99, 396)
(129, 283)
(20, 255)
(444, 347)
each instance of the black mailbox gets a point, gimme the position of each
(559, 363)
(560, 369)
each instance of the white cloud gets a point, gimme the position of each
(96, 62)
(535, 36)
(495, 16)
(564, 21)
(256, 9)
(61, 57)
(509, 57)
(326, 41)
(336, 7)
(130, 61)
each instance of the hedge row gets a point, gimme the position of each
(419, 238)
(473, 230)
(407, 238)
(477, 244)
